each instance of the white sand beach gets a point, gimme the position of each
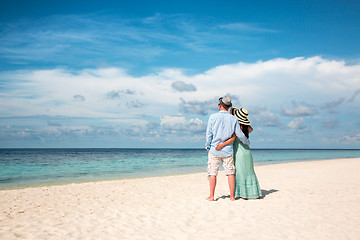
(307, 200)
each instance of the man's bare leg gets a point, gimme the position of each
(212, 182)
(231, 181)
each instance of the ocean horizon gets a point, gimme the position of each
(31, 167)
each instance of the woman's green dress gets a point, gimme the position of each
(246, 182)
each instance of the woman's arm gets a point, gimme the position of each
(227, 142)
(250, 129)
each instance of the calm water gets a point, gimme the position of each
(34, 167)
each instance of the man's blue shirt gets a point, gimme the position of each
(221, 126)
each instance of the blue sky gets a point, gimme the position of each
(149, 73)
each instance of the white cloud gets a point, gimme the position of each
(264, 88)
(334, 103)
(179, 123)
(351, 139)
(298, 111)
(52, 123)
(298, 125)
(355, 94)
(271, 83)
(262, 116)
(127, 121)
(114, 94)
(183, 87)
(330, 123)
(56, 131)
(197, 107)
(280, 80)
(246, 27)
(79, 97)
(344, 140)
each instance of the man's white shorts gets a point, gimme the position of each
(214, 164)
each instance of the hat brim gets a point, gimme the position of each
(242, 120)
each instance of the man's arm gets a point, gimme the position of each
(209, 135)
(240, 134)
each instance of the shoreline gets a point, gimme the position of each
(302, 200)
(19, 187)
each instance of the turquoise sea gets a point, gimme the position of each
(37, 167)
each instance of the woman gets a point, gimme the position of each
(246, 182)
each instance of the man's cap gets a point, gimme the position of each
(225, 101)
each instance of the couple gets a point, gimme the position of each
(227, 140)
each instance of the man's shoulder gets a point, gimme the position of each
(214, 115)
(233, 117)
(228, 115)
(222, 114)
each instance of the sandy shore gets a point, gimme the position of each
(309, 200)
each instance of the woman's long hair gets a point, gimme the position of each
(245, 130)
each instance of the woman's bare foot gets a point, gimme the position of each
(232, 199)
(210, 198)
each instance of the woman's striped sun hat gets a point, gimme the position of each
(241, 115)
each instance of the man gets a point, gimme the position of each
(221, 126)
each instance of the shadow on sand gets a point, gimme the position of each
(267, 192)
(263, 192)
